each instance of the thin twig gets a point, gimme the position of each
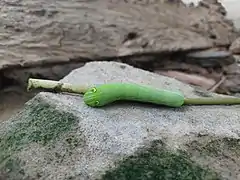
(213, 88)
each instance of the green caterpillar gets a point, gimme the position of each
(108, 93)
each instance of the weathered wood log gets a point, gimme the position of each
(37, 32)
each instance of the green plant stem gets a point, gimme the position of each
(212, 101)
(56, 86)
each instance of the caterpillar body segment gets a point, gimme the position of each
(107, 93)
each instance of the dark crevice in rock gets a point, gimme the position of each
(20, 76)
(146, 61)
(5, 82)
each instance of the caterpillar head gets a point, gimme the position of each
(103, 94)
(92, 97)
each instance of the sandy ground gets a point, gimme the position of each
(12, 100)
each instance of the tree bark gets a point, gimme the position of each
(38, 32)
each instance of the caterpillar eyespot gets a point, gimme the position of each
(97, 103)
(108, 93)
(94, 90)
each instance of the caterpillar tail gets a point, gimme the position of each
(212, 101)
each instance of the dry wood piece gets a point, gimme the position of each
(55, 86)
(216, 86)
(193, 79)
(63, 31)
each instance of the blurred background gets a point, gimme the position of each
(232, 7)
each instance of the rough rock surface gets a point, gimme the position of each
(235, 46)
(59, 137)
(38, 32)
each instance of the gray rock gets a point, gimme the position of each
(235, 46)
(59, 137)
(209, 54)
(210, 58)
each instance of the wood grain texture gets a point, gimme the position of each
(39, 32)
